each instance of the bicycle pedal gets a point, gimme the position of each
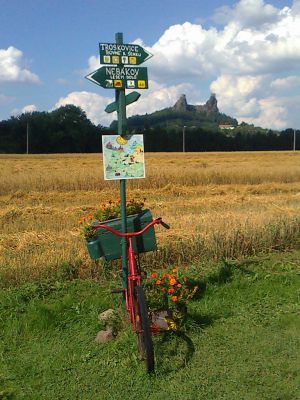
(118, 290)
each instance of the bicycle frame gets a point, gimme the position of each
(133, 276)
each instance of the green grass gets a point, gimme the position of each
(242, 339)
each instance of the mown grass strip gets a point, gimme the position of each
(242, 339)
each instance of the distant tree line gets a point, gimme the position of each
(206, 140)
(64, 130)
(68, 130)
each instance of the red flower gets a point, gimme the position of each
(173, 282)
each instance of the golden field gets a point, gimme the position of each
(218, 205)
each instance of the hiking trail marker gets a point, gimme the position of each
(120, 72)
(126, 54)
(120, 77)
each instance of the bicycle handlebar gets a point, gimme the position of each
(131, 234)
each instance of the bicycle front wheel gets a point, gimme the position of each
(143, 331)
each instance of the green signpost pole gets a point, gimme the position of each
(122, 74)
(120, 100)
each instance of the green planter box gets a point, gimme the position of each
(108, 245)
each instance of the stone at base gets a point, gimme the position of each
(106, 315)
(105, 336)
(159, 319)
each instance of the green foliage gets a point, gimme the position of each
(66, 129)
(108, 211)
(69, 271)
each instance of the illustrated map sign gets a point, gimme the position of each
(123, 158)
(120, 77)
(130, 54)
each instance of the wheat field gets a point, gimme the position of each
(218, 205)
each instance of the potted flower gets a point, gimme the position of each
(167, 296)
(102, 243)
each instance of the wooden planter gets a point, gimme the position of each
(108, 245)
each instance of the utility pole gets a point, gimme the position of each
(27, 138)
(294, 145)
(183, 139)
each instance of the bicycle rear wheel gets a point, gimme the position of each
(145, 343)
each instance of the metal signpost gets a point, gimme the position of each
(120, 53)
(120, 77)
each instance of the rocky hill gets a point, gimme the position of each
(206, 116)
(211, 105)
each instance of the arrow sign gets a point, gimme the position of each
(129, 54)
(130, 98)
(120, 77)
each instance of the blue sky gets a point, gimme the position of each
(246, 51)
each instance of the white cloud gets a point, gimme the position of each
(238, 95)
(27, 109)
(94, 64)
(247, 13)
(92, 103)
(156, 98)
(289, 82)
(296, 6)
(11, 67)
(251, 99)
(273, 114)
(257, 38)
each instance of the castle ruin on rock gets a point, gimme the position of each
(211, 105)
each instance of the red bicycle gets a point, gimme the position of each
(136, 304)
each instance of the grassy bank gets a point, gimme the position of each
(242, 339)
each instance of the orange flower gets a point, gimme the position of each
(171, 290)
(166, 275)
(173, 282)
(179, 285)
(158, 282)
(163, 289)
(174, 270)
(174, 298)
(154, 275)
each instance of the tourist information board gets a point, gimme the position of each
(123, 158)
(126, 54)
(120, 77)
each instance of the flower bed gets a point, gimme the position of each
(102, 243)
(167, 297)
